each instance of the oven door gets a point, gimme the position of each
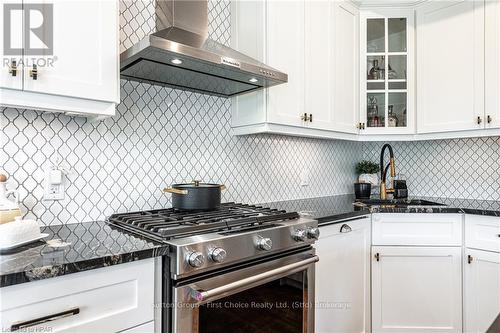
(268, 296)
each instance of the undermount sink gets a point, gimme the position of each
(398, 202)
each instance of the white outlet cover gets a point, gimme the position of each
(304, 177)
(53, 191)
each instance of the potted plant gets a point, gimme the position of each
(367, 172)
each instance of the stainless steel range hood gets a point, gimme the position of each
(181, 55)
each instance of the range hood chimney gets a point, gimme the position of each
(180, 55)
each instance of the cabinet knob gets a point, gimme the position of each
(469, 259)
(489, 120)
(479, 120)
(13, 68)
(34, 73)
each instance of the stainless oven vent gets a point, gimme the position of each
(181, 55)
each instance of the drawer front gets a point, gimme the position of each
(417, 229)
(103, 300)
(345, 226)
(482, 232)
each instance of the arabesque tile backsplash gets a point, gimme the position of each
(161, 136)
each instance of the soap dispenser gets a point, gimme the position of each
(9, 209)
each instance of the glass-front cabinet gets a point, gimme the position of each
(387, 72)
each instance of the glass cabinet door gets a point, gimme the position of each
(385, 92)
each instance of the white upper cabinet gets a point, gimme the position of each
(450, 66)
(12, 69)
(387, 72)
(492, 58)
(345, 83)
(70, 63)
(318, 50)
(85, 46)
(285, 51)
(315, 43)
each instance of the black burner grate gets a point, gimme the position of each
(164, 224)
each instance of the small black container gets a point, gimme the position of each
(362, 190)
(400, 189)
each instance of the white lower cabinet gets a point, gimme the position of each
(481, 289)
(343, 277)
(109, 299)
(416, 289)
(144, 328)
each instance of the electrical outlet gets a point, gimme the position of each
(304, 177)
(54, 185)
(54, 192)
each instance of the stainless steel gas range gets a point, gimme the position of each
(240, 268)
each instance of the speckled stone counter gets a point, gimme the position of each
(324, 209)
(340, 207)
(73, 248)
(450, 205)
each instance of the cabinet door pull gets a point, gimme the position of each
(489, 119)
(311, 118)
(34, 73)
(377, 256)
(13, 68)
(479, 120)
(363, 125)
(44, 319)
(469, 259)
(345, 228)
(304, 117)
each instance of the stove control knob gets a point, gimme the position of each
(313, 233)
(265, 244)
(217, 254)
(195, 259)
(299, 235)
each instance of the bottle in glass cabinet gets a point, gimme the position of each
(392, 118)
(374, 71)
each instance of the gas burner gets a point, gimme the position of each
(167, 224)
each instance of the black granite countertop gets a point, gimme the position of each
(78, 247)
(323, 209)
(340, 207)
(72, 248)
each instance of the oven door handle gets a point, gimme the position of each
(201, 296)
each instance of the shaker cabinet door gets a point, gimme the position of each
(416, 289)
(285, 52)
(481, 289)
(85, 52)
(345, 117)
(492, 58)
(450, 66)
(343, 278)
(318, 64)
